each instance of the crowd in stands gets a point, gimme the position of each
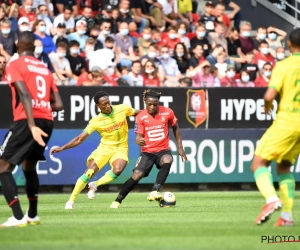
(156, 42)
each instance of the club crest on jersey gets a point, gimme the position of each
(196, 110)
(163, 119)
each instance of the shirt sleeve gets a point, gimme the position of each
(172, 118)
(139, 127)
(277, 78)
(90, 128)
(12, 74)
(129, 111)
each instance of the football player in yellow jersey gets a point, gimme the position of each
(281, 142)
(111, 124)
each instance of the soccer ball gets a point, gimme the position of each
(168, 200)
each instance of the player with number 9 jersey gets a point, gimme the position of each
(39, 83)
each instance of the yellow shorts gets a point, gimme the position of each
(104, 154)
(279, 144)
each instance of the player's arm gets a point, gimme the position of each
(26, 100)
(269, 96)
(56, 102)
(177, 135)
(140, 140)
(71, 144)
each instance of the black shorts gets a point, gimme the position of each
(19, 145)
(146, 161)
(135, 4)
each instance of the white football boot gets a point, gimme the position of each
(32, 221)
(92, 190)
(69, 205)
(13, 222)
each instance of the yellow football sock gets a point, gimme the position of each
(287, 191)
(108, 177)
(264, 182)
(80, 184)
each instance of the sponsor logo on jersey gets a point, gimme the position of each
(196, 110)
(114, 127)
(143, 117)
(167, 113)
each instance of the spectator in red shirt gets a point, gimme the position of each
(229, 80)
(26, 8)
(171, 40)
(263, 55)
(263, 80)
(150, 75)
(221, 17)
(247, 43)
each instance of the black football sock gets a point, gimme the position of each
(10, 192)
(32, 189)
(162, 176)
(126, 188)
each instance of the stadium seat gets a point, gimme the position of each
(196, 17)
(164, 35)
(190, 35)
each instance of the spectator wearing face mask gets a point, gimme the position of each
(67, 19)
(263, 80)
(105, 31)
(212, 58)
(60, 34)
(135, 78)
(144, 41)
(26, 8)
(201, 38)
(23, 25)
(172, 39)
(42, 56)
(208, 19)
(217, 37)
(263, 56)
(247, 43)
(182, 28)
(150, 76)
(94, 33)
(43, 15)
(8, 39)
(251, 67)
(39, 28)
(280, 54)
(61, 65)
(245, 80)
(79, 35)
(234, 47)
(124, 46)
(261, 35)
(275, 37)
(172, 73)
(181, 58)
(77, 63)
(229, 80)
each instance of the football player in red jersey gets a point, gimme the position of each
(152, 134)
(34, 97)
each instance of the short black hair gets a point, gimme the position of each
(109, 39)
(74, 43)
(98, 95)
(136, 62)
(68, 7)
(26, 36)
(263, 42)
(149, 93)
(295, 38)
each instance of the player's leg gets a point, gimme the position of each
(10, 192)
(118, 166)
(32, 190)
(142, 169)
(82, 182)
(163, 162)
(287, 193)
(127, 187)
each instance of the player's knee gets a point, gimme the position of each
(167, 160)
(117, 171)
(137, 175)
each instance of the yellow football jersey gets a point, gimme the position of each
(286, 80)
(113, 128)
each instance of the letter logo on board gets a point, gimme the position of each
(196, 110)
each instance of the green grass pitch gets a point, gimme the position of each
(200, 220)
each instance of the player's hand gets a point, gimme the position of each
(142, 142)
(56, 150)
(268, 109)
(38, 134)
(182, 154)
